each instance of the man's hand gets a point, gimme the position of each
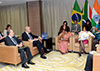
(4, 36)
(74, 30)
(40, 37)
(1, 38)
(20, 45)
(30, 40)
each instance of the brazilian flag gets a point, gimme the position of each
(76, 14)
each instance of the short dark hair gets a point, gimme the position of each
(8, 31)
(75, 20)
(87, 28)
(65, 22)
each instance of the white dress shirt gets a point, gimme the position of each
(30, 37)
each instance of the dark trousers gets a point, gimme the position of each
(2, 40)
(89, 63)
(95, 42)
(39, 46)
(22, 54)
(95, 48)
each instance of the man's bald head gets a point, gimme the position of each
(27, 29)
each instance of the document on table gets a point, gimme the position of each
(92, 52)
(35, 39)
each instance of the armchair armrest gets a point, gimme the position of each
(9, 54)
(71, 43)
(56, 41)
(75, 38)
(96, 63)
(29, 44)
(90, 43)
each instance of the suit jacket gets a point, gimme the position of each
(78, 28)
(9, 42)
(2, 40)
(25, 36)
(1, 34)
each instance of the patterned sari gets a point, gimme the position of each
(63, 45)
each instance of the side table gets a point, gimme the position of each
(47, 43)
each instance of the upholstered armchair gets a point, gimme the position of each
(33, 50)
(69, 44)
(96, 58)
(9, 54)
(76, 45)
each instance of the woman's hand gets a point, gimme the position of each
(59, 41)
(91, 36)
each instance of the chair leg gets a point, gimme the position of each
(15, 66)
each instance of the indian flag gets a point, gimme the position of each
(87, 12)
(95, 13)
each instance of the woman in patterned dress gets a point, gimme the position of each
(63, 43)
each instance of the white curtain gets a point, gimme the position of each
(57, 11)
(15, 15)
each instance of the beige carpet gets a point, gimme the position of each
(55, 62)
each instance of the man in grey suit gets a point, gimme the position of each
(76, 27)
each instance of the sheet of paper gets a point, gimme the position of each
(92, 52)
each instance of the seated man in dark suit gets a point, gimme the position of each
(28, 36)
(89, 63)
(11, 40)
(2, 37)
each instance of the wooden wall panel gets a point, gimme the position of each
(33, 8)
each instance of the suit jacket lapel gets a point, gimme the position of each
(11, 41)
(26, 35)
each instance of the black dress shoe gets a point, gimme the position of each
(25, 66)
(48, 50)
(30, 62)
(42, 56)
(79, 54)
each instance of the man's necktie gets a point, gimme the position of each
(30, 36)
(14, 41)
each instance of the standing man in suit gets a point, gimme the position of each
(2, 37)
(76, 27)
(28, 36)
(11, 40)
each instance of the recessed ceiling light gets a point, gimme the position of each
(0, 2)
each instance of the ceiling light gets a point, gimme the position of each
(0, 2)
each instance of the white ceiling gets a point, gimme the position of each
(11, 2)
